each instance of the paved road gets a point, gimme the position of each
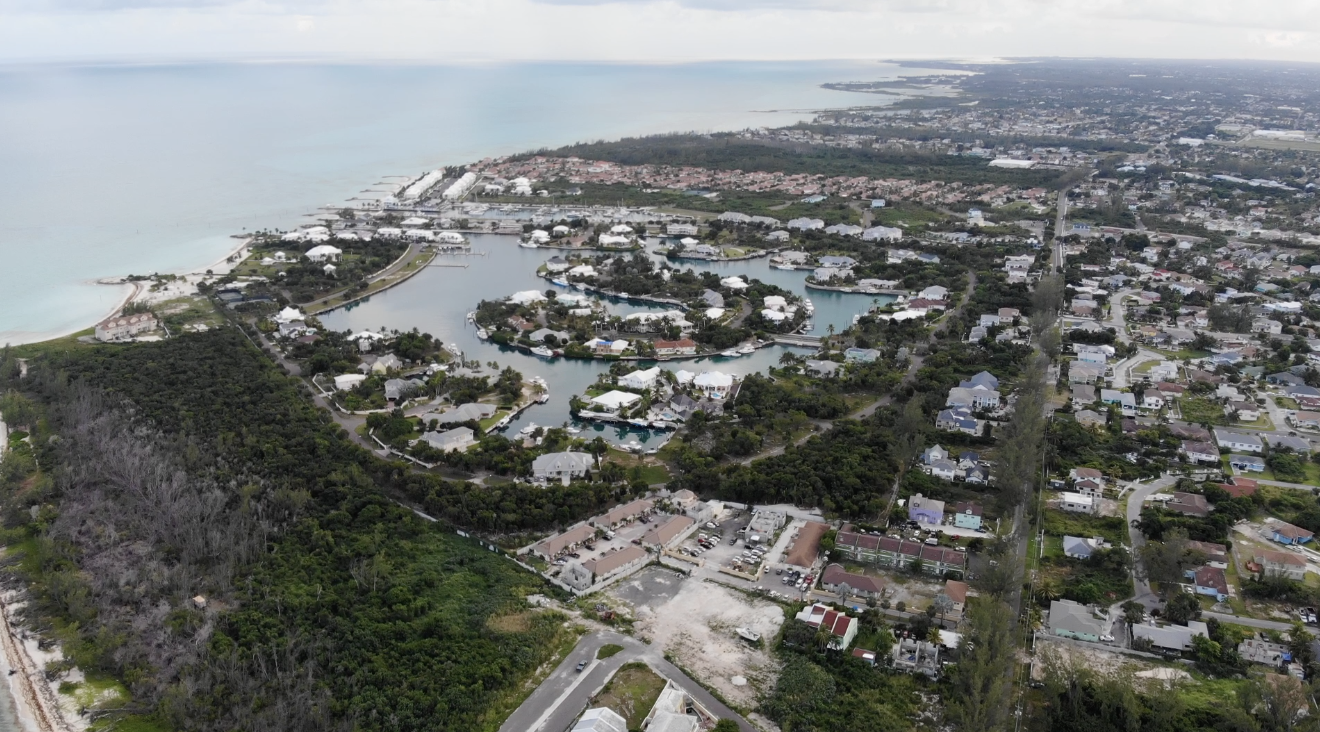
(558, 701)
(1251, 622)
(1143, 592)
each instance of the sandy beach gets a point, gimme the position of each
(138, 290)
(37, 706)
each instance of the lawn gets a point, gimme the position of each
(1062, 523)
(1312, 473)
(1198, 410)
(632, 692)
(1287, 403)
(1184, 354)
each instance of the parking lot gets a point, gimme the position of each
(627, 535)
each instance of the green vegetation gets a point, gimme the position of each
(631, 692)
(607, 650)
(333, 606)
(1198, 410)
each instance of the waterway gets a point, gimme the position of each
(437, 301)
(133, 169)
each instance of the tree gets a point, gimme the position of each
(1279, 703)
(982, 681)
(943, 604)
(1167, 560)
(725, 725)
(1182, 608)
(1133, 612)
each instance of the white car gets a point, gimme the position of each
(1107, 638)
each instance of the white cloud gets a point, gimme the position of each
(652, 30)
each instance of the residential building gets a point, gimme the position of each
(1070, 619)
(887, 551)
(973, 398)
(1210, 581)
(1245, 411)
(1188, 504)
(1298, 445)
(958, 419)
(1274, 655)
(1247, 463)
(1089, 418)
(601, 719)
(618, 515)
(640, 379)
(841, 626)
(1270, 563)
(1082, 394)
(455, 440)
(1170, 637)
(614, 401)
(861, 355)
(1200, 452)
(1238, 441)
(615, 563)
(470, 412)
(1285, 533)
(859, 585)
(967, 515)
(562, 466)
(925, 510)
(552, 547)
(1126, 401)
(675, 529)
(957, 591)
(123, 327)
(943, 469)
(1077, 547)
(1076, 503)
(1216, 555)
(1239, 487)
(1081, 372)
(914, 656)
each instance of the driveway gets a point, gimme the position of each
(564, 695)
(1141, 587)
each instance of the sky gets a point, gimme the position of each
(652, 30)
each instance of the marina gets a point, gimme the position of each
(438, 301)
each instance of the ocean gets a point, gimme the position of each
(135, 169)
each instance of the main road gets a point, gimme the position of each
(563, 696)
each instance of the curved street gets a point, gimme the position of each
(565, 693)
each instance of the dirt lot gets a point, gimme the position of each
(694, 620)
(806, 546)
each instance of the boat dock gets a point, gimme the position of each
(795, 339)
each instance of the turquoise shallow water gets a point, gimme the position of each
(112, 170)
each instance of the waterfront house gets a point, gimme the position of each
(562, 466)
(123, 327)
(615, 401)
(457, 439)
(640, 379)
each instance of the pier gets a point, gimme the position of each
(794, 339)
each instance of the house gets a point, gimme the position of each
(914, 656)
(967, 515)
(1191, 432)
(345, 382)
(622, 514)
(935, 292)
(1239, 487)
(1200, 452)
(1238, 442)
(861, 355)
(933, 453)
(925, 510)
(1285, 533)
(1310, 420)
(1093, 354)
(1270, 563)
(1216, 555)
(887, 551)
(640, 379)
(1090, 418)
(1127, 401)
(562, 466)
(614, 401)
(680, 347)
(121, 327)
(957, 591)
(1082, 393)
(835, 577)
(614, 563)
(714, 384)
(958, 419)
(1079, 475)
(664, 534)
(601, 719)
(1247, 463)
(1188, 504)
(470, 412)
(1070, 619)
(1170, 637)
(841, 626)
(1298, 445)
(1081, 372)
(1077, 503)
(457, 439)
(552, 547)
(1274, 655)
(974, 398)
(1077, 547)
(1246, 411)
(943, 469)
(1210, 581)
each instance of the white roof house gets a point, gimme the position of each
(601, 719)
(642, 379)
(562, 466)
(616, 400)
(324, 253)
(459, 438)
(344, 382)
(714, 383)
(1076, 502)
(774, 316)
(775, 302)
(734, 283)
(527, 297)
(288, 315)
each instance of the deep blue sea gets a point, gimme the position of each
(114, 170)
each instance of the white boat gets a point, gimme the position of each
(747, 350)
(572, 430)
(454, 349)
(529, 429)
(639, 423)
(543, 398)
(731, 353)
(633, 446)
(543, 352)
(529, 245)
(471, 316)
(483, 334)
(559, 281)
(806, 305)
(783, 266)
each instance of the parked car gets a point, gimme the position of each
(581, 665)
(1107, 638)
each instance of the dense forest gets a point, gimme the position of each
(159, 472)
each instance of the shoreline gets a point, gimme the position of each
(135, 289)
(36, 705)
